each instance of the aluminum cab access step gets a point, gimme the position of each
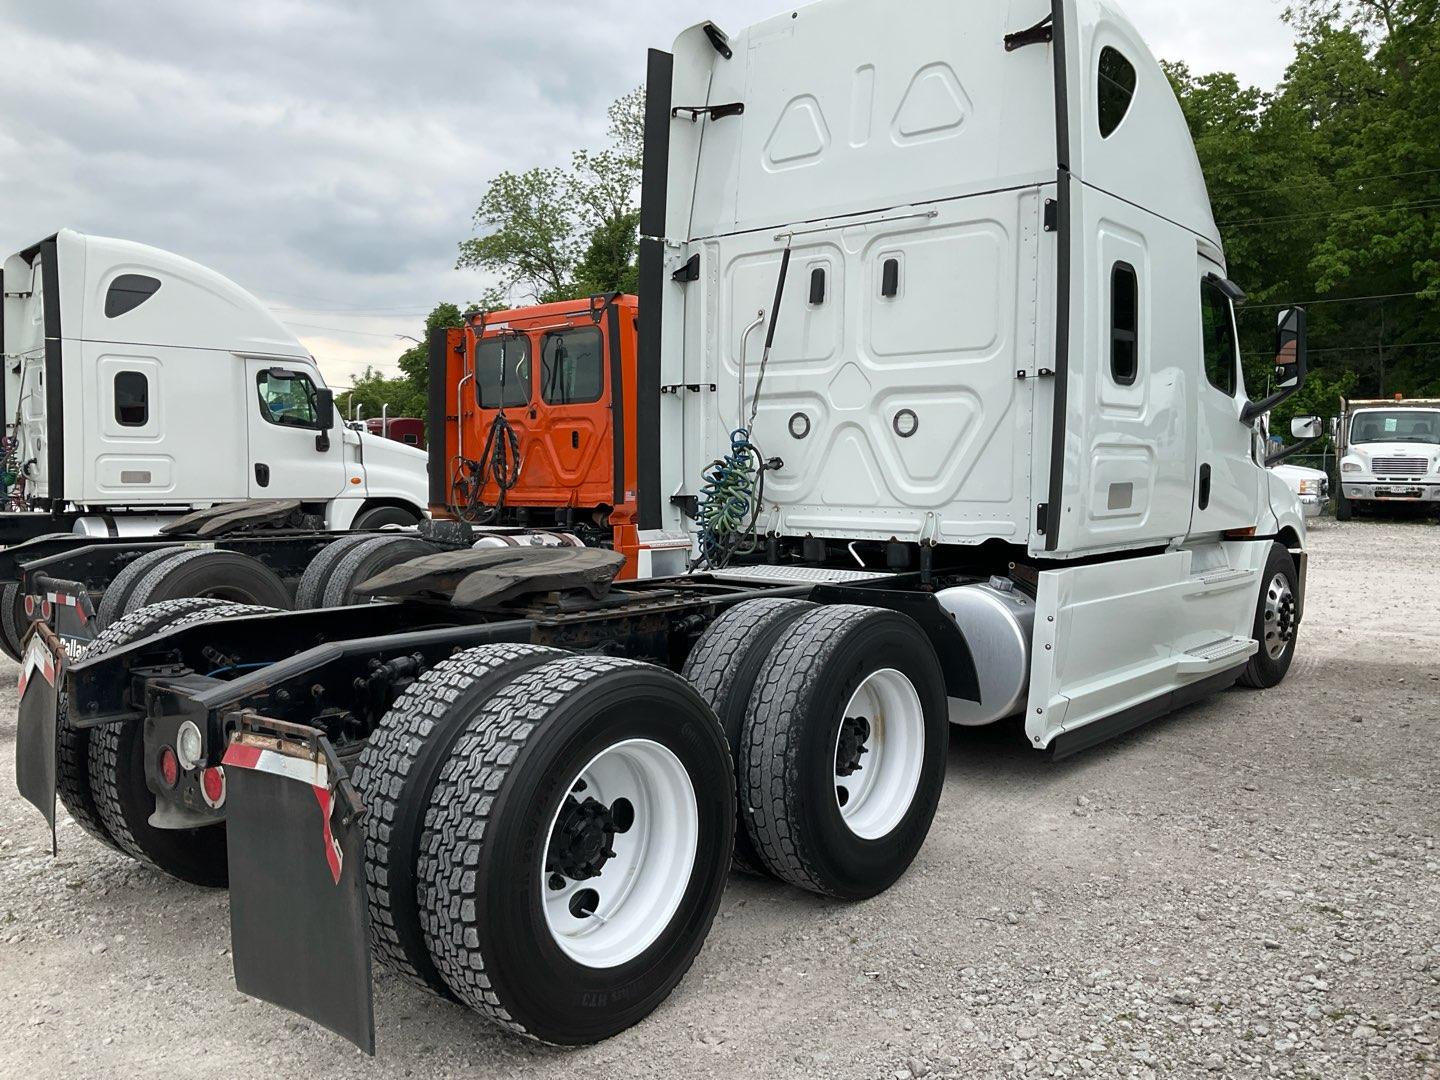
(1217, 656)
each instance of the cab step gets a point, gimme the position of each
(1217, 656)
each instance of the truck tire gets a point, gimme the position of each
(208, 572)
(364, 561)
(395, 774)
(113, 604)
(72, 756)
(13, 622)
(1276, 621)
(724, 666)
(310, 593)
(843, 684)
(377, 517)
(512, 863)
(124, 801)
(1343, 510)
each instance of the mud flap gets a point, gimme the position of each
(299, 920)
(42, 666)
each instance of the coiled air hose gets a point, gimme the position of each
(500, 460)
(732, 490)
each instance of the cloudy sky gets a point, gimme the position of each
(328, 154)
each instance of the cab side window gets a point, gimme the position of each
(287, 398)
(572, 367)
(1218, 322)
(1116, 90)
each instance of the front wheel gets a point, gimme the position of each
(1343, 510)
(576, 847)
(1277, 621)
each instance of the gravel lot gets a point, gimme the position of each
(1249, 887)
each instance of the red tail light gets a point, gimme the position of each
(169, 766)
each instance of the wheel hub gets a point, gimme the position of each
(1281, 611)
(854, 734)
(582, 842)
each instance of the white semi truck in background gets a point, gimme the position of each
(140, 386)
(937, 365)
(1389, 454)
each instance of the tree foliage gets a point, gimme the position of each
(552, 233)
(1327, 191)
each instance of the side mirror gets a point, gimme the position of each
(1291, 363)
(1307, 427)
(324, 417)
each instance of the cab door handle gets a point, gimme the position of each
(262, 474)
(1204, 487)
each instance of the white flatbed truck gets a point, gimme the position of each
(1389, 454)
(938, 365)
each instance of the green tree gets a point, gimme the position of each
(553, 233)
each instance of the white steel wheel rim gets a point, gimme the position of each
(874, 798)
(639, 889)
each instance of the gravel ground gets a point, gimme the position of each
(1249, 887)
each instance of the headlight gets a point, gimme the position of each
(1309, 487)
(1350, 466)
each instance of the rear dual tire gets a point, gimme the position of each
(574, 844)
(183, 573)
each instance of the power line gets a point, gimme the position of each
(341, 330)
(1330, 300)
(1239, 222)
(1290, 186)
(1363, 348)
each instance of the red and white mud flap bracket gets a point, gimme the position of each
(42, 667)
(299, 920)
(65, 605)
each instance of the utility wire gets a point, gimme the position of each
(1245, 222)
(1330, 300)
(1362, 348)
(1358, 180)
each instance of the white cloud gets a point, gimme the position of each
(328, 154)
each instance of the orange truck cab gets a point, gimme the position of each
(539, 420)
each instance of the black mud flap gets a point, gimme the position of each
(42, 666)
(299, 921)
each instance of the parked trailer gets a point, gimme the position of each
(139, 387)
(954, 270)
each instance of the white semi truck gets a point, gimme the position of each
(139, 386)
(939, 367)
(1389, 454)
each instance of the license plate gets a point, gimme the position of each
(1398, 493)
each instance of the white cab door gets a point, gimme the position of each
(287, 460)
(1227, 480)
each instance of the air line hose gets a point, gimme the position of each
(732, 490)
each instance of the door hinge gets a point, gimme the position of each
(1043, 373)
(689, 272)
(715, 112)
(1052, 215)
(1042, 518)
(1042, 33)
(689, 504)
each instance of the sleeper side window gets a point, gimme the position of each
(132, 399)
(1117, 89)
(502, 371)
(1124, 324)
(287, 398)
(1218, 320)
(572, 366)
(127, 292)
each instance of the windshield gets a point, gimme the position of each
(1396, 426)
